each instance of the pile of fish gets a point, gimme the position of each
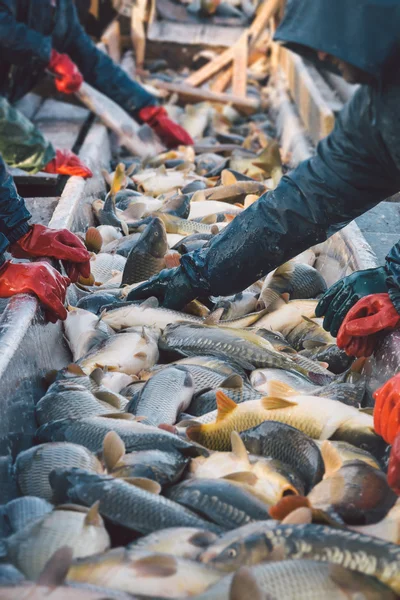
(223, 452)
(230, 13)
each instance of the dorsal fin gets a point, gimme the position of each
(238, 447)
(56, 568)
(331, 457)
(113, 450)
(278, 389)
(228, 178)
(151, 302)
(269, 403)
(233, 382)
(214, 317)
(98, 374)
(245, 477)
(286, 269)
(225, 405)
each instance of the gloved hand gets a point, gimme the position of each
(387, 411)
(370, 316)
(67, 163)
(36, 278)
(68, 77)
(340, 297)
(170, 286)
(169, 132)
(60, 244)
(393, 474)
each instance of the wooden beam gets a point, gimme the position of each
(222, 81)
(222, 60)
(239, 76)
(192, 95)
(111, 38)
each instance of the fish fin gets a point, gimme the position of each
(250, 199)
(151, 302)
(148, 485)
(118, 179)
(286, 269)
(238, 447)
(270, 403)
(93, 516)
(76, 370)
(233, 382)
(242, 477)
(311, 344)
(215, 317)
(156, 566)
(209, 219)
(113, 450)
(331, 457)
(140, 355)
(214, 229)
(244, 586)
(93, 240)
(203, 539)
(123, 416)
(109, 397)
(300, 516)
(358, 365)
(279, 389)
(187, 422)
(110, 368)
(193, 432)
(285, 297)
(287, 505)
(268, 298)
(367, 411)
(308, 320)
(225, 405)
(229, 218)
(97, 376)
(106, 176)
(56, 568)
(228, 178)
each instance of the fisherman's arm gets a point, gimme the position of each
(351, 172)
(18, 43)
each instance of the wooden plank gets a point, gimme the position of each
(143, 12)
(315, 113)
(239, 76)
(222, 81)
(112, 40)
(254, 32)
(193, 95)
(194, 34)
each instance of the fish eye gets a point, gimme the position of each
(232, 553)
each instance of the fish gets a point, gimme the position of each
(220, 365)
(21, 512)
(183, 542)
(232, 194)
(33, 466)
(289, 445)
(90, 432)
(337, 454)
(297, 580)
(387, 529)
(278, 341)
(147, 314)
(319, 418)
(103, 266)
(184, 227)
(233, 387)
(309, 333)
(84, 330)
(9, 575)
(123, 503)
(295, 280)
(145, 573)
(237, 306)
(146, 257)
(211, 207)
(108, 234)
(71, 401)
(336, 359)
(287, 316)
(122, 246)
(261, 378)
(80, 528)
(128, 352)
(177, 205)
(165, 395)
(115, 381)
(196, 118)
(244, 347)
(154, 182)
(268, 478)
(95, 303)
(312, 541)
(223, 502)
(268, 162)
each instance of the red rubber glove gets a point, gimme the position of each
(68, 77)
(67, 163)
(55, 243)
(369, 316)
(387, 410)
(36, 278)
(169, 132)
(393, 475)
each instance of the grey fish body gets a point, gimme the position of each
(131, 315)
(146, 257)
(207, 402)
(289, 445)
(204, 378)
(220, 500)
(10, 575)
(33, 466)
(123, 503)
(90, 432)
(186, 542)
(259, 378)
(22, 511)
(164, 467)
(300, 281)
(165, 395)
(124, 245)
(337, 359)
(193, 340)
(237, 306)
(304, 580)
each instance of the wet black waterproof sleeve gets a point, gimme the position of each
(14, 215)
(393, 281)
(355, 167)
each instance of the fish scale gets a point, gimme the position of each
(70, 404)
(124, 503)
(207, 401)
